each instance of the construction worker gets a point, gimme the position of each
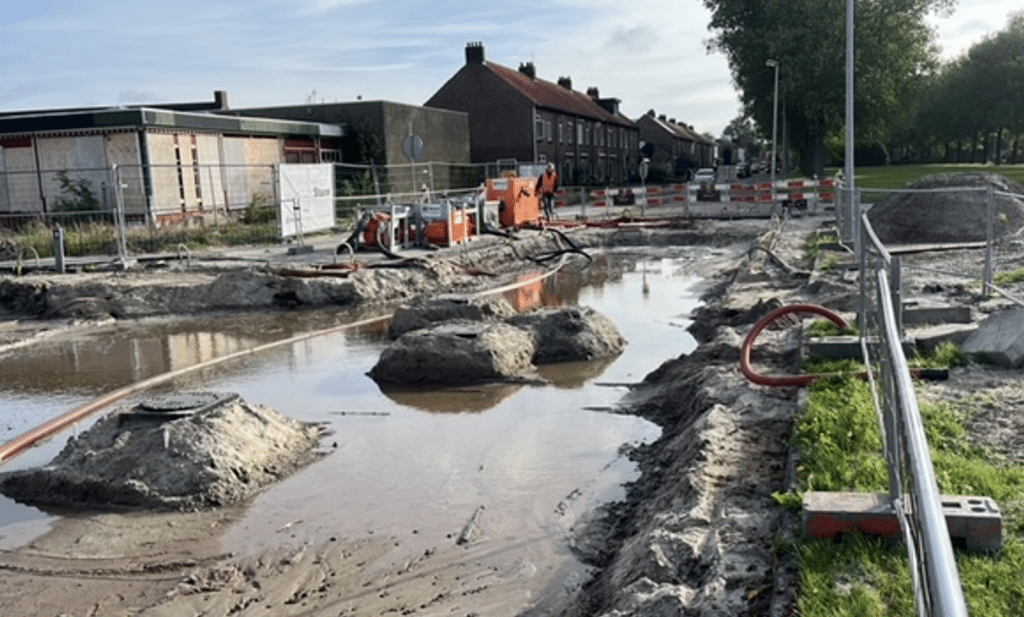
(547, 184)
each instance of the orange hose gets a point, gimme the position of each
(748, 343)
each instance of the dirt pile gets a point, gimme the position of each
(942, 214)
(570, 334)
(183, 452)
(456, 352)
(426, 311)
(467, 340)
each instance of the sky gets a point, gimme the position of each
(651, 54)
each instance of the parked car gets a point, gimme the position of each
(705, 179)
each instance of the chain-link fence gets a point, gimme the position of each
(163, 206)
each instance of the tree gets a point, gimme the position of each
(978, 97)
(808, 39)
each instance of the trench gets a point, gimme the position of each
(413, 463)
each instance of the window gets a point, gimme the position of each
(579, 133)
(538, 127)
(547, 130)
(571, 131)
(561, 132)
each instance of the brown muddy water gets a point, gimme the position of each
(529, 461)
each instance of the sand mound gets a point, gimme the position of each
(182, 452)
(941, 216)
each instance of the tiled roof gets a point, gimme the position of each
(682, 131)
(553, 96)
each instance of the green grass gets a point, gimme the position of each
(840, 448)
(902, 176)
(1002, 279)
(824, 327)
(101, 239)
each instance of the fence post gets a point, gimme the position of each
(990, 207)
(860, 244)
(896, 292)
(119, 220)
(58, 248)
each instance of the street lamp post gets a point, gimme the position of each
(775, 116)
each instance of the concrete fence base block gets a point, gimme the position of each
(846, 346)
(974, 523)
(933, 315)
(1000, 338)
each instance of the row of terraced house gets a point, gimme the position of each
(484, 113)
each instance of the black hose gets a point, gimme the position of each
(380, 241)
(353, 240)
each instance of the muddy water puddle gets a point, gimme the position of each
(523, 463)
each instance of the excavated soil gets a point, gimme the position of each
(167, 455)
(695, 535)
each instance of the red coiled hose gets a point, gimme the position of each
(787, 380)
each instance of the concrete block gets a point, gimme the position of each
(829, 514)
(928, 339)
(834, 347)
(974, 523)
(1000, 338)
(919, 315)
(847, 346)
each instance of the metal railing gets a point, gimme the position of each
(913, 489)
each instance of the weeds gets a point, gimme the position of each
(824, 327)
(99, 238)
(817, 241)
(947, 354)
(1002, 279)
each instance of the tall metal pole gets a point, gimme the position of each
(775, 117)
(848, 187)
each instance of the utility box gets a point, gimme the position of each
(517, 199)
(443, 224)
(448, 232)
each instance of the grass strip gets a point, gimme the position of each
(839, 447)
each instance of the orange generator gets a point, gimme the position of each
(436, 231)
(518, 199)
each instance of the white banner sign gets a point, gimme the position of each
(307, 198)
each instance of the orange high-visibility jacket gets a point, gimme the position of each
(547, 183)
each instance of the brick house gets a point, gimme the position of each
(513, 114)
(676, 145)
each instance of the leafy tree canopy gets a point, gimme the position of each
(894, 51)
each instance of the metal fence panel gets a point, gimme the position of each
(913, 488)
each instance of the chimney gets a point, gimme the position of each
(663, 118)
(220, 99)
(565, 82)
(671, 120)
(593, 93)
(528, 69)
(474, 53)
(610, 105)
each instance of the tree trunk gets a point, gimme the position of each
(999, 147)
(812, 163)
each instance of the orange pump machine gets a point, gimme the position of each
(443, 224)
(518, 199)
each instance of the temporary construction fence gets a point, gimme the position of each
(153, 205)
(153, 194)
(969, 224)
(730, 199)
(914, 494)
